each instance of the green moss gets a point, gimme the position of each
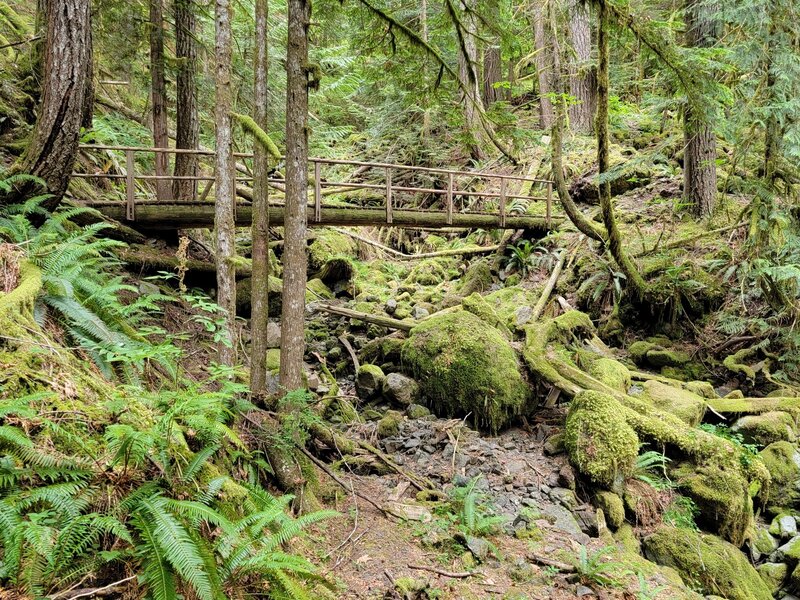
(273, 359)
(611, 372)
(429, 272)
(369, 380)
(735, 362)
(328, 245)
(702, 389)
(782, 460)
(722, 497)
(625, 537)
(638, 351)
(766, 428)
(600, 443)
(478, 278)
(507, 300)
(707, 563)
(687, 406)
(773, 574)
(755, 406)
(389, 425)
(465, 365)
(612, 507)
(316, 290)
(479, 307)
(667, 358)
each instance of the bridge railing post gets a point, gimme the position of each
(388, 196)
(502, 202)
(130, 186)
(450, 198)
(317, 193)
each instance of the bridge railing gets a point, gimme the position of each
(448, 185)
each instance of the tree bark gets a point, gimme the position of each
(224, 218)
(158, 95)
(582, 74)
(187, 122)
(492, 74)
(295, 260)
(51, 153)
(544, 65)
(468, 72)
(700, 153)
(259, 316)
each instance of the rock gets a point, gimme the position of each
(591, 520)
(762, 543)
(766, 428)
(626, 538)
(581, 591)
(773, 574)
(317, 290)
(478, 546)
(782, 460)
(565, 497)
(391, 306)
(149, 289)
(369, 381)
(464, 365)
(611, 372)
(613, 508)
(417, 411)
(522, 315)
(313, 382)
(400, 389)
(554, 445)
(682, 403)
(600, 443)
(667, 358)
(389, 425)
(702, 389)
(273, 335)
(419, 312)
(562, 519)
(707, 563)
(787, 527)
(478, 278)
(789, 551)
(410, 512)
(566, 477)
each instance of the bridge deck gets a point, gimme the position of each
(466, 199)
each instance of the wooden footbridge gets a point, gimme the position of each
(342, 192)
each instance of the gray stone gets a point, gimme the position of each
(391, 306)
(788, 527)
(273, 335)
(420, 312)
(554, 445)
(522, 315)
(400, 389)
(591, 520)
(773, 574)
(478, 546)
(369, 380)
(151, 289)
(562, 519)
(565, 497)
(417, 411)
(582, 591)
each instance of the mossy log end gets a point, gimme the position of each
(188, 216)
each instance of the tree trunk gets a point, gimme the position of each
(492, 74)
(700, 153)
(468, 72)
(544, 66)
(582, 75)
(423, 24)
(158, 94)
(294, 254)
(773, 133)
(187, 123)
(51, 153)
(224, 223)
(259, 316)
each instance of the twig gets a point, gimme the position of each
(442, 571)
(547, 562)
(377, 320)
(689, 239)
(338, 480)
(343, 339)
(95, 591)
(548, 289)
(417, 481)
(20, 42)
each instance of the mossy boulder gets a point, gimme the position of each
(613, 508)
(782, 460)
(464, 365)
(369, 381)
(479, 307)
(600, 444)
(429, 272)
(611, 372)
(766, 428)
(328, 245)
(316, 290)
(686, 405)
(507, 303)
(722, 497)
(389, 425)
(707, 563)
(478, 278)
(773, 574)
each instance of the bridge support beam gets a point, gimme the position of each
(187, 216)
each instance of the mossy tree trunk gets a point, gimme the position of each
(158, 94)
(187, 121)
(635, 282)
(260, 230)
(582, 74)
(294, 257)
(543, 63)
(53, 146)
(468, 72)
(224, 222)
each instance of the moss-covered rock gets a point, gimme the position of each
(686, 405)
(611, 372)
(317, 290)
(465, 365)
(389, 425)
(369, 381)
(638, 351)
(327, 245)
(478, 278)
(773, 574)
(479, 307)
(613, 508)
(273, 360)
(707, 563)
(782, 460)
(601, 445)
(722, 497)
(667, 358)
(766, 428)
(429, 272)
(702, 388)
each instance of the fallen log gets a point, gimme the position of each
(366, 317)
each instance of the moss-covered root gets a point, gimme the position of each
(601, 445)
(706, 562)
(464, 365)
